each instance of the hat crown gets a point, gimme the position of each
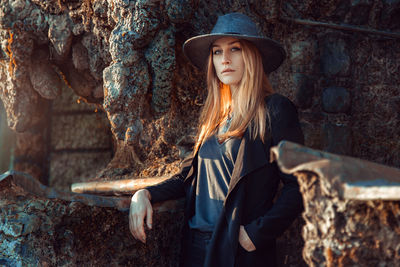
(235, 23)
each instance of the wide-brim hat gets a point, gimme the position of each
(240, 26)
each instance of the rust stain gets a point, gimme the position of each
(80, 99)
(344, 259)
(88, 9)
(62, 75)
(9, 52)
(353, 254)
(60, 5)
(329, 257)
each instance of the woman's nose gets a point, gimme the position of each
(226, 59)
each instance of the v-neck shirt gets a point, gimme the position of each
(215, 165)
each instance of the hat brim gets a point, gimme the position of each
(197, 49)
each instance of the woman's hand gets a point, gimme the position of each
(245, 241)
(140, 208)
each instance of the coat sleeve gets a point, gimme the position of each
(285, 126)
(171, 188)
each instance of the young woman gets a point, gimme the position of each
(229, 183)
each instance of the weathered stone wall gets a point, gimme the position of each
(43, 226)
(79, 136)
(351, 207)
(36, 231)
(125, 58)
(342, 232)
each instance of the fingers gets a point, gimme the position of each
(149, 217)
(244, 240)
(132, 224)
(136, 222)
(140, 229)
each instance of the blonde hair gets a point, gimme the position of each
(247, 101)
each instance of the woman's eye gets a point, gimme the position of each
(235, 49)
(216, 52)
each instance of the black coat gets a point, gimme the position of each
(249, 200)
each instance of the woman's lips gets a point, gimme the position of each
(227, 70)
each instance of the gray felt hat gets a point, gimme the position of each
(240, 26)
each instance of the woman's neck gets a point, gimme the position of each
(226, 98)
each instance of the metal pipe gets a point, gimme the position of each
(119, 187)
(340, 27)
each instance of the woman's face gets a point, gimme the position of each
(228, 60)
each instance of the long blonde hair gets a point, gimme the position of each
(247, 101)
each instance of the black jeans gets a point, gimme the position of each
(197, 248)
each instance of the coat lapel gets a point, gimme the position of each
(251, 156)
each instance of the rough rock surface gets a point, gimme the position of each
(37, 231)
(347, 232)
(41, 225)
(351, 207)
